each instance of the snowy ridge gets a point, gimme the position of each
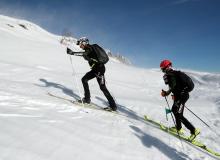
(25, 29)
(40, 127)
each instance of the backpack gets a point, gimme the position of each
(102, 56)
(185, 80)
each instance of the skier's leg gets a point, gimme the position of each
(88, 76)
(186, 123)
(177, 116)
(101, 81)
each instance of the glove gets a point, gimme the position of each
(164, 93)
(69, 51)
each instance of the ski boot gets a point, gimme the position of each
(174, 130)
(110, 108)
(193, 135)
(84, 100)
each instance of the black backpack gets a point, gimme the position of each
(102, 56)
(185, 80)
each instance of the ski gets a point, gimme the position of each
(84, 105)
(181, 136)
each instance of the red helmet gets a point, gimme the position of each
(165, 64)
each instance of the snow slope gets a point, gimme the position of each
(37, 126)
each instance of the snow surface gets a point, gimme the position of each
(36, 126)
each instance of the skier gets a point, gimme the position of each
(180, 90)
(97, 71)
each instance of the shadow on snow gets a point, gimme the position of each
(150, 141)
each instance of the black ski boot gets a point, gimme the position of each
(110, 108)
(84, 100)
(113, 106)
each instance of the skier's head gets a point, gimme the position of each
(165, 65)
(82, 42)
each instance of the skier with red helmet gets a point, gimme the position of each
(180, 85)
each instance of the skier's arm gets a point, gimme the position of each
(70, 52)
(171, 81)
(78, 53)
(172, 84)
(87, 57)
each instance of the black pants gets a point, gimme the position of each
(97, 73)
(178, 108)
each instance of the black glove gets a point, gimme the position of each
(69, 51)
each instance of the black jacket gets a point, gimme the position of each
(91, 57)
(171, 79)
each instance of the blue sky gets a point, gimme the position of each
(146, 31)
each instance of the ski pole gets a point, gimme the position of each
(204, 122)
(174, 122)
(198, 117)
(171, 113)
(74, 75)
(166, 114)
(167, 111)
